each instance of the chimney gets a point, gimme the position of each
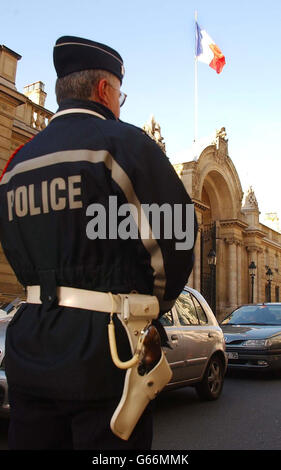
(8, 66)
(35, 92)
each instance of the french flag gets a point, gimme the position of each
(207, 51)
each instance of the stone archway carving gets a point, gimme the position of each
(218, 195)
(220, 180)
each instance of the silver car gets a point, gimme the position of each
(196, 354)
(7, 311)
(4, 405)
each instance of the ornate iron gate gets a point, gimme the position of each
(208, 272)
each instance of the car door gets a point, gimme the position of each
(175, 354)
(195, 337)
(208, 331)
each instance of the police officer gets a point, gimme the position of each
(63, 385)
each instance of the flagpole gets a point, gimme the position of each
(195, 88)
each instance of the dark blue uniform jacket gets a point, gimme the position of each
(47, 229)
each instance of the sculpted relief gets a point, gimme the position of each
(153, 129)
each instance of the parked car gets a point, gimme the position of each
(8, 308)
(7, 311)
(253, 337)
(4, 405)
(197, 354)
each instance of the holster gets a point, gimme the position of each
(137, 312)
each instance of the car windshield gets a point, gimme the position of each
(255, 315)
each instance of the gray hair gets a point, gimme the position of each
(79, 85)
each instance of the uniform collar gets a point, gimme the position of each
(87, 104)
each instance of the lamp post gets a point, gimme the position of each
(212, 261)
(269, 277)
(252, 271)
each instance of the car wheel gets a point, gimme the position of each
(211, 386)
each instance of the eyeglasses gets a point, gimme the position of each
(122, 95)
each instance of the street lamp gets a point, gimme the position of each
(212, 258)
(252, 271)
(212, 261)
(269, 277)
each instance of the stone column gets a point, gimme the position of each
(255, 259)
(239, 273)
(260, 267)
(197, 261)
(190, 279)
(232, 273)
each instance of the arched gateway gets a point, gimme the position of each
(233, 232)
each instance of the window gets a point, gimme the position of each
(277, 295)
(200, 312)
(167, 319)
(186, 310)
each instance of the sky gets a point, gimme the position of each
(156, 41)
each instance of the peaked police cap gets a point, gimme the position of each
(73, 54)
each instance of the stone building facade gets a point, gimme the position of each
(228, 224)
(22, 115)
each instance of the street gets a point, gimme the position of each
(246, 417)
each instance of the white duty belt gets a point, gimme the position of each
(79, 298)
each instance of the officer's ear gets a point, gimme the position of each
(101, 92)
